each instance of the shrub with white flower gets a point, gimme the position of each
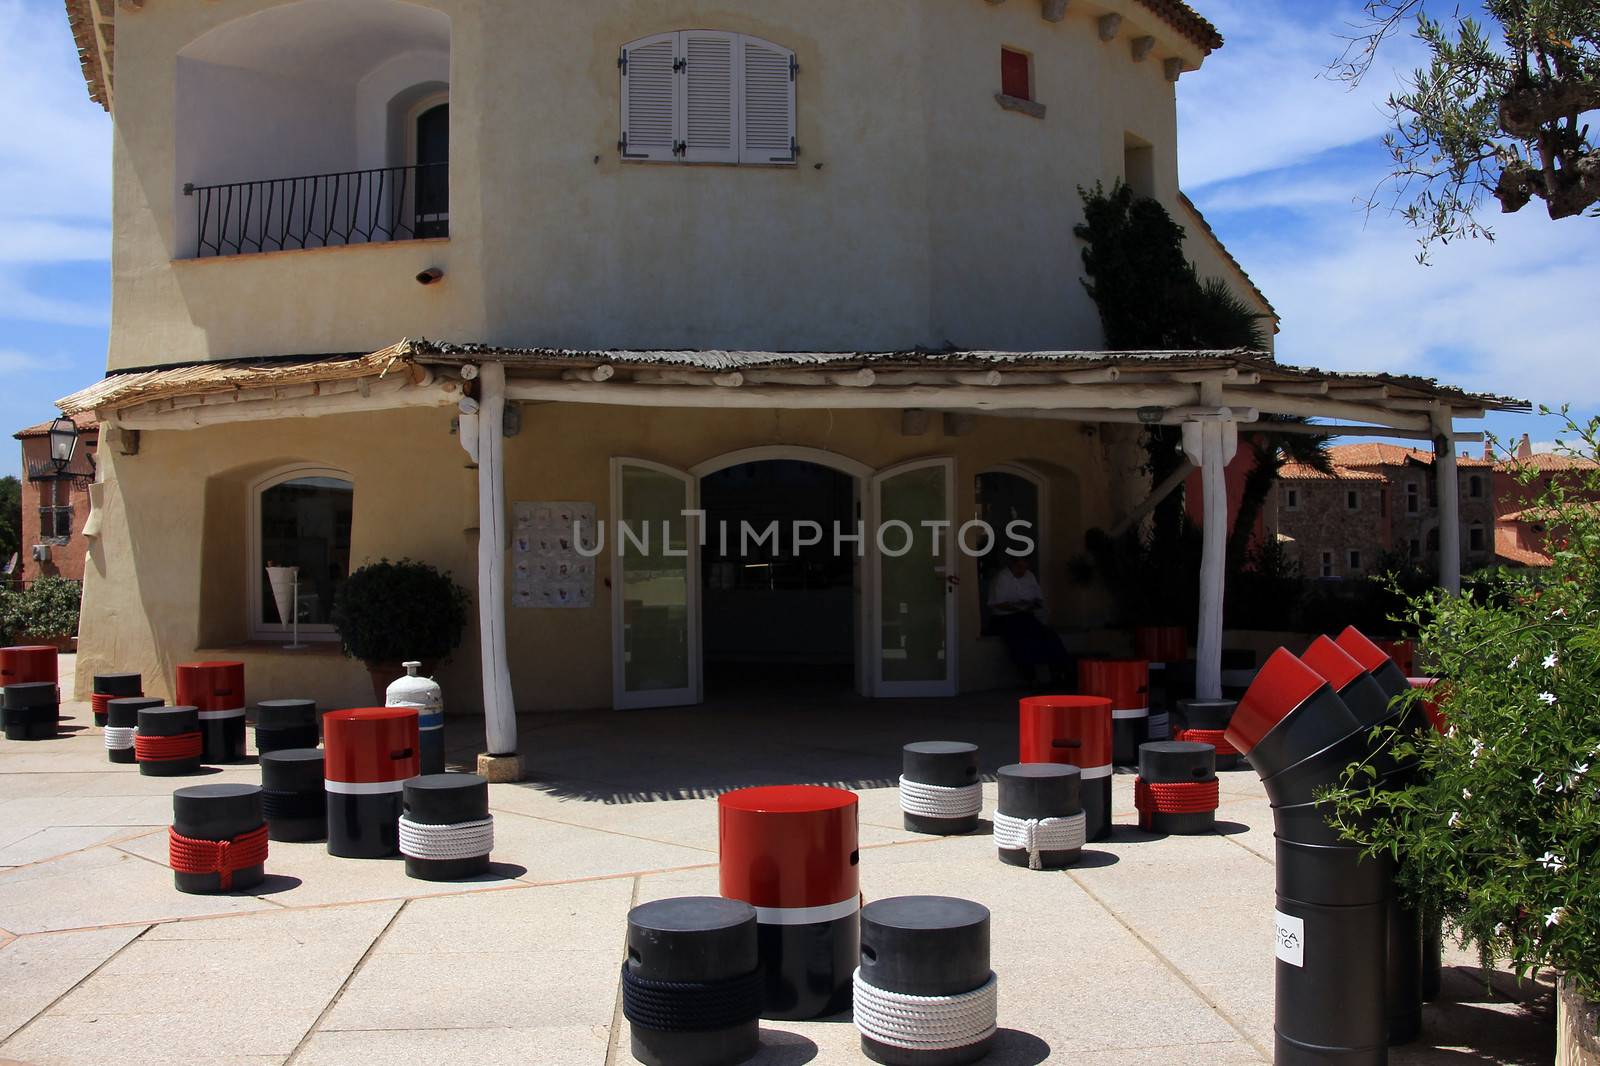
(1500, 826)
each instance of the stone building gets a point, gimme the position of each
(1521, 527)
(55, 503)
(1379, 500)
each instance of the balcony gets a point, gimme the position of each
(376, 206)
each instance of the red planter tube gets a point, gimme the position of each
(1073, 731)
(216, 689)
(371, 753)
(1126, 683)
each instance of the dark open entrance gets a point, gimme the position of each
(775, 612)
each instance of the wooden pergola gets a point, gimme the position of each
(1209, 394)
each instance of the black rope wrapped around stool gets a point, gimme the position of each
(293, 796)
(446, 831)
(218, 839)
(285, 724)
(169, 742)
(940, 793)
(122, 725)
(31, 710)
(924, 995)
(1039, 822)
(691, 985)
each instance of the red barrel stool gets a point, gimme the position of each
(790, 851)
(371, 752)
(218, 838)
(1126, 683)
(108, 687)
(27, 663)
(217, 691)
(1161, 644)
(1074, 731)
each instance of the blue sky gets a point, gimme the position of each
(1275, 154)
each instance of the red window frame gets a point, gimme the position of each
(1016, 74)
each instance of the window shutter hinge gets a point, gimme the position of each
(680, 65)
(794, 68)
(622, 61)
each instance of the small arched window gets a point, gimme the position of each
(1011, 503)
(708, 96)
(300, 521)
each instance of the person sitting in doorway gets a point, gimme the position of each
(1016, 603)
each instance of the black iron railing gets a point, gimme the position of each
(322, 210)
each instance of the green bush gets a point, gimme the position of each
(1500, 832)
(394, 611)
(45, 610)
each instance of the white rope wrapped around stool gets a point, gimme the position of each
(940, 801)
(463, 840)
(1034, 835)
(926, 1023)
(119, 738)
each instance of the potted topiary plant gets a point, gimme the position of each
(1501, 825)
(46, 612)
(389, 612)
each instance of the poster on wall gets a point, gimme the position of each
(547, 568)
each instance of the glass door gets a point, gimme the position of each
(914, 605)
(655, 598)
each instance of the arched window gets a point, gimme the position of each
(707, 96)
(1011, 502)
(300, 518)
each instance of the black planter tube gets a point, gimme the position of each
(691, 985)
(217, 812)
(443, 827)
(122, 722)
(284, 724)
(1035, 792)
(169, 723)
(31, 710)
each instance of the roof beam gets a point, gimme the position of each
(395, 391)
(958, 397)
(1323, 407)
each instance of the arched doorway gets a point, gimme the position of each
(780, 602)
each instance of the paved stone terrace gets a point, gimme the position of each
(1152, 950)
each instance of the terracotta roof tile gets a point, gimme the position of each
(1547, 461)
(1302, 472)
(1513, 556)
(1187, 21)
(85, 421)
(1379, 454)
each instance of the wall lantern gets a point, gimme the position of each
(63, 443)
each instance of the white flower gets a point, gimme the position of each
(1559, 612)
(1581, 769)
(1552, 862)
(1538, 782)
(1555, 916)
(1455, 817)
(1515, 659)
(1550, 661)
(1547, 698)
(1500, 930)
(1466, 793)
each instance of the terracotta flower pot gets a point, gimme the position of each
(384, 673)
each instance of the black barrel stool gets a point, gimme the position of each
(284, 724)
(108, 687)
(293, 796)
(218, 838)
(940, 793)
(691, 985)
(446, 832)
(31, 710)
(1206, 722)
(168, 743)
(925, 995)
(122, 725)
(1039, 821)
(1176, 790)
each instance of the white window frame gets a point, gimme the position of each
(1477, 529)
(1352, 499)
(741, 153)
(1352, 559)
(1413, 498)
(259, 630)
(1327, 565)
(1475, 487)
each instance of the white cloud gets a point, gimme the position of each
(30, 240)
(1263, 101)
(12, 361)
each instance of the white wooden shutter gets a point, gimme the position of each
(710, 96)
(649, 110)
(768, 74)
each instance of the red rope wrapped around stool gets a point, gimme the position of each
(221, 857)
(1178, 797)
(1217, 738)
(165, 749)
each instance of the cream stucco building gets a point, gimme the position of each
(752, 258)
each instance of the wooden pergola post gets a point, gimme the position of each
(1449, 491)
(1210, 445)
(500, 762)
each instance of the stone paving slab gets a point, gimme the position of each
(1152, 950)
